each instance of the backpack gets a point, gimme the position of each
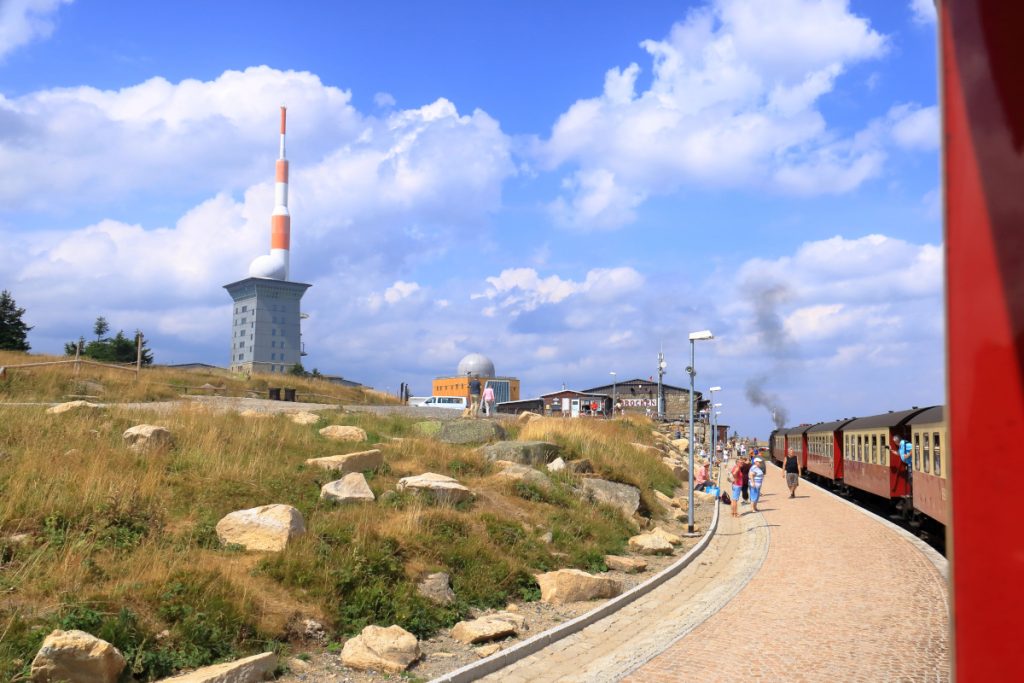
(725, 498)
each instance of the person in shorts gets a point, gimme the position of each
(791, 466)
(736, 479)
(755, 479)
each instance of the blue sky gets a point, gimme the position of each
(565, 187)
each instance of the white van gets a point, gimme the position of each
(453, 402)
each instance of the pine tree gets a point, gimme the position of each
(100, 327)
(13, 330)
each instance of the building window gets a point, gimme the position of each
(274, 331)
(244, 309)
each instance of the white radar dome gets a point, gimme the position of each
(271, 266)
(476, 365)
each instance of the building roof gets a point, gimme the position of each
(640, 382)
(574, 392)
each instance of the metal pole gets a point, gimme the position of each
(614, 380)
(689, 493)
(661, 372)
(714, 432)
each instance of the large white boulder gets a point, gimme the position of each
(350, 462)
(72, 405)
(438, 486)
(249, 670)
(574, 585)
(650, 544)
(267, 528)
(343, 433)
(629, 565)
(352, 488)
(147, 437)
(390, 649)
(76, 657)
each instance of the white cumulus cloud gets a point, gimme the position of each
(22, 21)
(923, 11)
(732, 102)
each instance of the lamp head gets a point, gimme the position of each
(702, 335)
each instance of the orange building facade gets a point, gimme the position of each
(505, 388)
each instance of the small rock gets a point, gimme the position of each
(304, 418)
(436, 588)
(489, 627)
(305, 629)
(547, 537)
(249, 670)
(668, 536)
(511, 607)
(527, 416)
(440, 487)
(631, 565)
(349, 489)
(556, 465)
(343, 433)
(516, 472)
(650, 450)
(72, 405)
(649, 544)
(350, 462)
(76, 657)
(297, 665)
(487, 650)
(267, 528)
(390, 649)
(574, 585)
(581, 466)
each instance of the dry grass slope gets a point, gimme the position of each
(122, 544)
(60, 383)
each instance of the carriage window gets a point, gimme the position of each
(874, 448)
(917, 452)
(860, 448)
(935, 454)
(926, 456)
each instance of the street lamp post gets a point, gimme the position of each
(692, 371)
(661, 395)
(612, 373)
(714, 429)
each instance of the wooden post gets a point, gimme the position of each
(138, 354)
(78, 353)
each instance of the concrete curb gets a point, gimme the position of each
(534, 644)
(940, 563)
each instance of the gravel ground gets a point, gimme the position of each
(442, 654)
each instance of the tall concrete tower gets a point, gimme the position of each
(266, 334)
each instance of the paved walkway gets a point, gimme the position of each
(810, 590)
(841, 597)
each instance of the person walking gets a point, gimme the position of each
(474, 396)
(791, 466)
(736, 479)
(745, 466)
(489, 399)
(756, 475)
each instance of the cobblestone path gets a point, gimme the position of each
(611, 648)
(840, 597)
